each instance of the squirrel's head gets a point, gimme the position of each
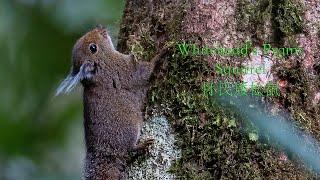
(88, 54)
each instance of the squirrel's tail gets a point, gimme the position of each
(106, 168)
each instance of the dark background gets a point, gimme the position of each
(41, 136)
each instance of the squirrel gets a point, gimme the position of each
(114, 92)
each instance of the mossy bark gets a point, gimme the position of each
(211, 138)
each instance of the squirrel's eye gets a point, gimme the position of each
(93, 48)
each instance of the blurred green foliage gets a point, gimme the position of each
(36, 39)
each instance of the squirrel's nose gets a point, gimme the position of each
(86, 71)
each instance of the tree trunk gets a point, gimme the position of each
(212, 140)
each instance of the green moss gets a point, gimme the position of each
(175, 22)
(296, 98)
(285, 18)
(289, 17)
(142, 46)
(211, 138)
(252, 16)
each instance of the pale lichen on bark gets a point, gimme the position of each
(161, 153)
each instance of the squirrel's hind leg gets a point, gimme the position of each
(141, 149)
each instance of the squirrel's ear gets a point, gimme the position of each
(100, 26)
(86, 72)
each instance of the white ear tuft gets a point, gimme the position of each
(110, 41)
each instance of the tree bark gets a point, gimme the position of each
(225, 151)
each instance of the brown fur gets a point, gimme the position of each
(112, 98)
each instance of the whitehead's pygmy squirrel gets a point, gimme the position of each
(115, 87)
